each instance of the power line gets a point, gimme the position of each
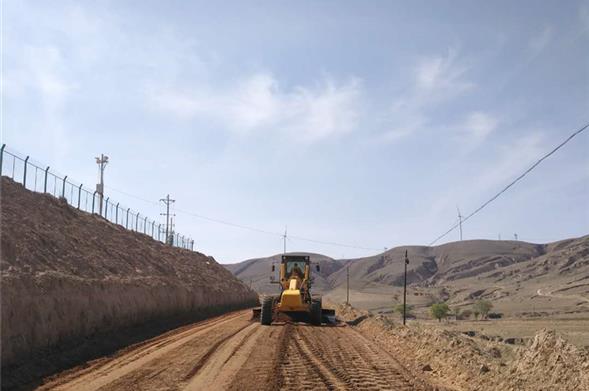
(511, 184)
(278, 234)
(199, 216)
(334, 243)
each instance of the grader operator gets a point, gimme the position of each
(295, 301)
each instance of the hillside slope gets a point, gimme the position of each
(68, 274)
(258, 271)
(517, 276)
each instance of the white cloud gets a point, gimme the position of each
(476, 128)
(258, 103)
(437, 80)
(41, 74)
(441, 76)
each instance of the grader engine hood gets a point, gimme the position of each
(291, 299)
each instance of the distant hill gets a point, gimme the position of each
(258, 271)
(517, 275)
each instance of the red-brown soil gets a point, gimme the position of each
(69, 279)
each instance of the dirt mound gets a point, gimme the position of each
(457, 361)
(67, 274)
(549, 363)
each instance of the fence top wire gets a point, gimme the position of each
(72, 182)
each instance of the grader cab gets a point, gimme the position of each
(295, 301)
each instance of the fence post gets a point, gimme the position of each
(1, 157)
(24, 180)
(152, 228)
(45, 185)
(93, 200)
(159, 232)
(192, 245)
(106, 208)
(117, 214)
(79, 195)
(137, 223)
(63, 188)
(145, 225)
(127, 221)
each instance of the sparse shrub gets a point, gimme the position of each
(399, 309)
(439, 311)
(483, 307)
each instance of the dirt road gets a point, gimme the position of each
(233, 352)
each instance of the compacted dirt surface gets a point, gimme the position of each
(234, 352)
(75, 286)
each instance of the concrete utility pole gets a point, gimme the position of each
(102, 161)
(167, 201)
(459, 221)
(172, 231)
(348, 285)
(405, 290)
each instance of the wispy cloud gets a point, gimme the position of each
(476, 128)
(442, 77)
(259, 103)
(437, 79)
(42, 76)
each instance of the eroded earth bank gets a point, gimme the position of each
(75, 286)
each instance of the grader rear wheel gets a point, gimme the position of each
(266, 312)
(315, 314)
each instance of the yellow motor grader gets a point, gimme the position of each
(295, 301)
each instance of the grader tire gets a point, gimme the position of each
(266, 312)
(316, 313)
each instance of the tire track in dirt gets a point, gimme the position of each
(220, 368)
(102, 373)
(234, 353)
(328, 358)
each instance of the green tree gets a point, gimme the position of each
(483, 307)
(439, 310)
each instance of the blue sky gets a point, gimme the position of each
(363, 123)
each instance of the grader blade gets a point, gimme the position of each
(328, 316)
(256, 313)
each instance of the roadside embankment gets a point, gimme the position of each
(69, 276)
(455, 360)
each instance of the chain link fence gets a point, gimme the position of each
(38, 178)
